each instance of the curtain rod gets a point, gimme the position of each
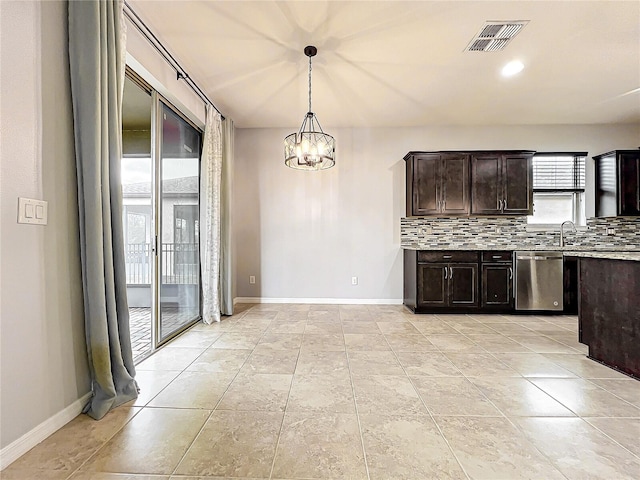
(162, 50)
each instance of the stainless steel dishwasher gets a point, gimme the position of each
(538, 281)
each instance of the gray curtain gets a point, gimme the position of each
(96, 62)
(226, 267)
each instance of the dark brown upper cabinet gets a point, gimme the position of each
(618, 183)
(464, 183)
(502, 183)
(437, 184)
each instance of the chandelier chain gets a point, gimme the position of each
(309, 84)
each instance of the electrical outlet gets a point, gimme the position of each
(252, 279)
(428, 230)
(354, 280)
(498, 229)
(611, 231)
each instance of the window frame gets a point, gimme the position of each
(578, 193)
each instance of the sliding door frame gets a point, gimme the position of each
(157, 101)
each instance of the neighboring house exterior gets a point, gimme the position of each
(178, 242)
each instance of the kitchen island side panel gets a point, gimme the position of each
(610, 312)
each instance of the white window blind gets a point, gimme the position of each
(559, 172)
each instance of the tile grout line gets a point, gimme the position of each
(508, 419)
(379, 317)
(105, 442)
(284, 412)
(446, 440)
(189, 447)
(608, 436)
(140, 407)
(355, 403)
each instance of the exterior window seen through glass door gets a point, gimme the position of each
(137, 214)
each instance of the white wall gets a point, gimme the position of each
(43, 353)
(145, 60)
(305, 234)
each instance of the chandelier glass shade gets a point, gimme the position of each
(310, 148)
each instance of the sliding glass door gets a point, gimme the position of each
(179, 223)
(138, 213)
(160, 192)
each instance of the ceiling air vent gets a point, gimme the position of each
(494, 36)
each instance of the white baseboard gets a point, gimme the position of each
(26, 442)
(323, 301)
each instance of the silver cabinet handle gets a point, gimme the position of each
(504, 205)
(510, 273)
(444, 205)
(446, 256)
(445, 273)
(450, 272)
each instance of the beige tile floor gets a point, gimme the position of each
(360, 392)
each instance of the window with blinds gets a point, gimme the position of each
(558, 188)
(559, 172)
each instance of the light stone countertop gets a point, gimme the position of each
(612, 253)
(537, 248)
(633, 256)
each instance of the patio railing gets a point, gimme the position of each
(179, 263)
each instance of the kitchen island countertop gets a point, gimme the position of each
(610, 255)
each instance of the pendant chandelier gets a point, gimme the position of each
(310, 148)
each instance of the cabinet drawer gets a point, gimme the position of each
(447, 256)
(496, 256)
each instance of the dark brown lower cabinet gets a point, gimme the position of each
(497, 286)
(497, 281)
(463, 281)
(448, 285)
(433, 288)
(463, 285)
(441, 281)
(570, 285)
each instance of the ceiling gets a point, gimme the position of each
(398, 64)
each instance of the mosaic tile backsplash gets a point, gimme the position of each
(510, 233)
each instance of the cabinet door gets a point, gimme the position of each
(463, 284)
(606, 186)
(629, 183)
(455, 184)
(486, 186)
(497, 281)
(517, 178)
(432, 284)
(426, 184)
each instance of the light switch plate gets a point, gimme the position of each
(32, 211)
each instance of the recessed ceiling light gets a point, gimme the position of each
(512, 68)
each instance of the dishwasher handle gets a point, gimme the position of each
(538, 257)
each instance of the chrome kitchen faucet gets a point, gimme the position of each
(562, 231)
